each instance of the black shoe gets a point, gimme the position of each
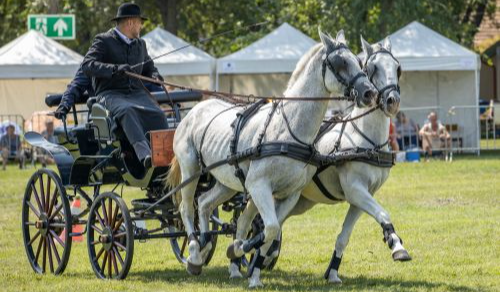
(147, 162)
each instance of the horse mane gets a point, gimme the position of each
(301, 65)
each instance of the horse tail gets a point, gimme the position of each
(173, 179)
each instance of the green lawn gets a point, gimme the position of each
(447, 214)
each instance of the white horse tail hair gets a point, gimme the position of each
(173, 179)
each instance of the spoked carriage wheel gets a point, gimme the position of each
(110, 238)
(46, 223)
(180, 244)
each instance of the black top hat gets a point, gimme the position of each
(127, 10)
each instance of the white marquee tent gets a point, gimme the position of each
(264, 66)
(190, 66)
(438, 74)
(32, 66)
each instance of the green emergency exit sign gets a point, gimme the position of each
(56, 26)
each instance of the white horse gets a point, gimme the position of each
(353, 181)
(269, 178)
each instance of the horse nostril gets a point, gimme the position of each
(369, 94)
(390, 100)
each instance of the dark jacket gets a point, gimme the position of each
(107, 52)
(76, 89)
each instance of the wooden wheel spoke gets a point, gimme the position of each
(34, 237)
(103, 267)
(56, 211)
(57, 238)
(113, 219)
(119, 256)
(119, 223)
(38, 249)
(44, 256)
(42, 193)
(95, 242)
(104, 213)
(99, 254)
(110, 271)
(113, 258)
(120, 245)
(49, 250)
(37, 197)
(56, 253)
(99, 218)
(97, 229)
(37, 213)
(120, 235)
(47, 200)
(110, 211)
(52, 202)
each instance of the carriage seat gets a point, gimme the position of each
(101, 121)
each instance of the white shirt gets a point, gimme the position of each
(123, 37)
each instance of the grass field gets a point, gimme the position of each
(447, 213)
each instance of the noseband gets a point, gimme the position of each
(349, 85)
(390, 87)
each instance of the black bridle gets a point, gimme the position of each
(388, 88)
(349, 85)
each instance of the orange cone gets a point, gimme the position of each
(75, 209)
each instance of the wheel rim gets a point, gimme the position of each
(110, 238)
(45, 223)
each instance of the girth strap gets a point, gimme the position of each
(241, 119)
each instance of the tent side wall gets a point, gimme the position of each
(441, 90)
(257, 84)
(25, 96)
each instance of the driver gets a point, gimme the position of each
(111, 55)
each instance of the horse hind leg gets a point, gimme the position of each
(188, 168)
(206, 205)
(395, 243)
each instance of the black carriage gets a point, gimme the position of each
(88, 156)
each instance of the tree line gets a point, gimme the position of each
(193, 20)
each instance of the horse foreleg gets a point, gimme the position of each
(206, 205)
(332, 272)
(270, 249)
(361, 198)
(262, 195)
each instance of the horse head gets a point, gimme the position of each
(342, 69)
(383, 70)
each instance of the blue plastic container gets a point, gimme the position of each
(413, 155)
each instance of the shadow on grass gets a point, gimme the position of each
(279, 280)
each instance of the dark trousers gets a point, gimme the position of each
(136, 113)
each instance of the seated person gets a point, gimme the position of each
(434, 135)
(407, 132)
(10, 146)
(49, 135)
(110, 56)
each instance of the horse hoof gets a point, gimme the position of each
(231, 250)
(333, 278)
(401, 256)
(234, 272)
(194, 270)
(255, 284)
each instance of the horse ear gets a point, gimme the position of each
(325, 39)
(341, 37)
(386, 44)
(367, 49)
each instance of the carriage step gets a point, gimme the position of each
(141, 204)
